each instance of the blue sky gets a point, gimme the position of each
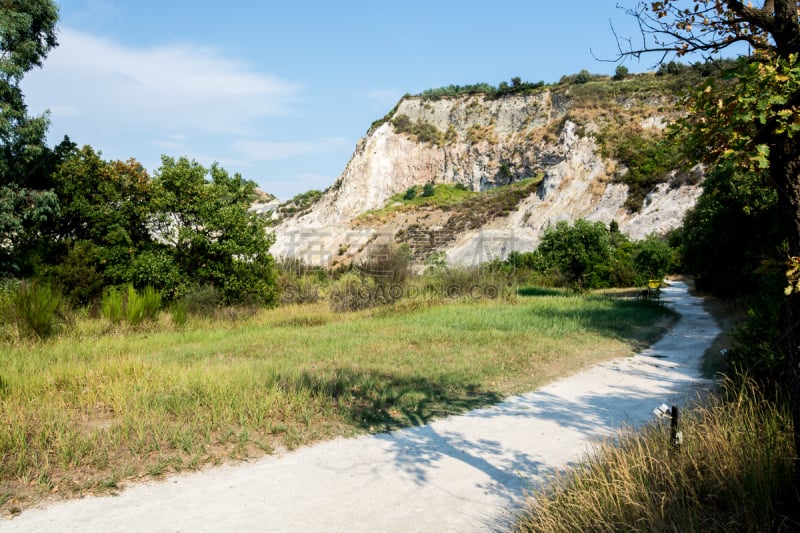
(282, 91)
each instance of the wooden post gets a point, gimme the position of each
(676, 437)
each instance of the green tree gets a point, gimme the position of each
(214, 238)
(653, 258)
(428, 190)
(582, 77)
(105, 208)
(580, 252)
(749, 120)
(27, 34)
(729, 233)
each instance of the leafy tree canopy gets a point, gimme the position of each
(215, 239)
(27, 33)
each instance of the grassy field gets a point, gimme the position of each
(98, 406)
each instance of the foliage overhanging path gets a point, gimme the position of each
(463, 473)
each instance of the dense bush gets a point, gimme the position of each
(588, 255)
(353, 291)
(299, 204)
(78, 275)
(647, 159)
(202, 215)
(300, 289)
(504, 88)
(156, 267)
(653, 258)
(202, 300)
(389, 266)
(423, 132)
(579, 252)
(729, 233)
(733, 244)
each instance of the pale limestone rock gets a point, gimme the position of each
(493, 142)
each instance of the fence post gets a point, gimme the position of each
(676, 437)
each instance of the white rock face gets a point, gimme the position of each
(488, 142)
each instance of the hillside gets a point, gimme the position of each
(593, 150)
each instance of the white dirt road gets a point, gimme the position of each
(463, 473)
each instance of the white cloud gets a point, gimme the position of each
(385, 97)
(172, 143)
(268, 151)
(182, 87)
(63, 110)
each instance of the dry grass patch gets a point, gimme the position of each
(733, 472)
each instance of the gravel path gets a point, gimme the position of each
(463, 473)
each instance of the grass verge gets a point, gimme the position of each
(733, 472)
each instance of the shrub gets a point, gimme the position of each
(653, 258)
(389, 267)
(300, 290)
(402, 124)
(582, 77)
(580, 252)
(352, 292)
(76, 273)
(424, 132)
(410, 193)
(157, 268)
(486, 89)
(36, 309)
(428, 133)
(428, 190)
(202, 300)
(648, 158)
(671, 67)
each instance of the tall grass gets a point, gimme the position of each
(131, 305)
(142, 305)
(85, 411)
(112, 306)
(733, 472)
(35, 308)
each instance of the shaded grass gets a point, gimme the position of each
(86, 412)
(732, 473)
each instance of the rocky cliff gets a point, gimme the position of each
(485, 143)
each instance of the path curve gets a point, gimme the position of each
(462, 473)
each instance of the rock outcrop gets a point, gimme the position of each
(482, 143)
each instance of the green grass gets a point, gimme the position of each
(733, 472)
(87, 407)
(444, 195)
